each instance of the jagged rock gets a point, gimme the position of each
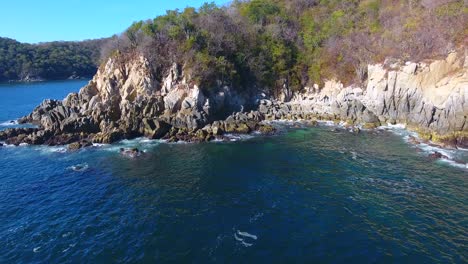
(62, 139)
(216, 127)
(370, 125)
(15, 132)
(75, 125)
(79, 145)
(74, 146)
(16, 140)
(108, 137)
(240, 128)
(243, 128)
(39, 137)
(437, 155)
(155, 129)
(125, 100)
(187, 104)
(266, 129)
(131, 153)
(201, 135)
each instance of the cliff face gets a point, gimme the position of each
(431, 97)
(125, 100)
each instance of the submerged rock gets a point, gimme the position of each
(437, 155)
(79, 145)
(131, 153)
(266, 129)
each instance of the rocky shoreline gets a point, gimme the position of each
(124, 100)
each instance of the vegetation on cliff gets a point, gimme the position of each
(50, 61)
(294, 43)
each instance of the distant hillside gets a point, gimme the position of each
(48, 61)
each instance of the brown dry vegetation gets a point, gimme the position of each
(270, 43)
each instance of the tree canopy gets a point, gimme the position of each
(50, 61)
(271, 43)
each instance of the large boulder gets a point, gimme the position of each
(108, 137)
(155, 129)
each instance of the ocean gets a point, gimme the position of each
(308, 194)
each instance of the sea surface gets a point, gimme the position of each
(307, 195)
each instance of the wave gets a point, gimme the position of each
(395, 126)
(51, 149)
(454, 163)
(140, 143)
(454, 157)
(79, 167)
(238, 137)
(69, 247)
(9, 123)
(243, 236)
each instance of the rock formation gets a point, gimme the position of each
(125, 100)
(430, 97)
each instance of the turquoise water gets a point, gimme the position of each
(305, 195)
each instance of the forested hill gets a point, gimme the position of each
(273, 43)
(48, 61)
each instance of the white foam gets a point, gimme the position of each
(238, 238)
(326, 123)
(242, 239)
(79, 167)
(349, 211)
(69, 247)
(9, 123)
(52, 149)
(396, 126)
(245, 234)
(454, 163)
(431, 149)
(36, 249)
(246, 244)
(238, 137)
(98, 145)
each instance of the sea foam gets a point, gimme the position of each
(9, 123)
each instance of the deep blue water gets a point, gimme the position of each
(306, 195)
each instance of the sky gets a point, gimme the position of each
(34, 21)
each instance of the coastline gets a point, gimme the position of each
(411, 138)
(124, 101)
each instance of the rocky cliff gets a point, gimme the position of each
(125, 100)
(430, 97)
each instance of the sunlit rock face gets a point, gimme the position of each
(124, 100)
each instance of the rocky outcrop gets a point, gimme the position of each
(125, 100)
(430, 97)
